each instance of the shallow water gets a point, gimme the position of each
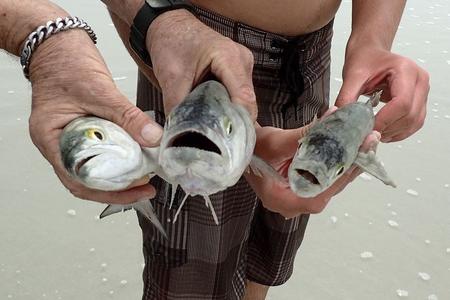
(371, 242)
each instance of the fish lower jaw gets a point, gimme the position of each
(303, 187)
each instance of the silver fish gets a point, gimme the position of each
(102, 156)
(331, 147)
(207, 144)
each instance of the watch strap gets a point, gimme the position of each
(145, 16)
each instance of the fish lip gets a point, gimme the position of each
(213, 136)
(300, 166)
(79, 164)
(85, 155)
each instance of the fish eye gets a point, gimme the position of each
(228, 126)
(98, 135)
(94, 134)
(340, 171)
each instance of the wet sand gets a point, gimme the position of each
(371, 242)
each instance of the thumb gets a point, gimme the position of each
(139, 125)
(352, 86)
(175, 92)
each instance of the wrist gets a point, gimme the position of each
(170, 19)
(59, 57)
(18, 20)
(125, 10)
(360, 40)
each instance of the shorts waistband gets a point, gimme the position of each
(269, 48)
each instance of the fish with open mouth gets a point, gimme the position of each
(207, 144)
(331, 146)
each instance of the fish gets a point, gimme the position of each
(331, 147)
(101, 155)
(207, 145)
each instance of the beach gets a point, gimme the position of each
(371, 242)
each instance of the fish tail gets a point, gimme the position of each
(374, 100)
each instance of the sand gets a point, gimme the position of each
(371, 242)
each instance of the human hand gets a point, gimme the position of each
(184, 51)
(70, 82)
(405, 89)
(277, 196)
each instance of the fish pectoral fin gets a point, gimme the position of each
(369, 163)
(261, 168)
(145, 207)
(114, 208)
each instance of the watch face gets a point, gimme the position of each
(158, 3)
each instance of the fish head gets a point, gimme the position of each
(207, 141)
(100, 154)
(318, 163)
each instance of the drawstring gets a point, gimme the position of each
(290, 68)
(290, 73)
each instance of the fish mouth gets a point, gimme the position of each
(307, 175)
(193, 139)
(82, 162)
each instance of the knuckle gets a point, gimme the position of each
(404, 106)
(316, 210)
(129, 115)
(169, 73)
(404, 63)
(247, 92)
(246, 55)
(78, 193)
(421, 121)
(425, 76)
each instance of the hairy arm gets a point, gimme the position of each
(69, 79)
(125, 10)
(19, 18)
(183, 50)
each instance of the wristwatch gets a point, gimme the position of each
(145, 16)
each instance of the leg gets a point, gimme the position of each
(255, 291)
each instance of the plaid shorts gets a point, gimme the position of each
(202, 260)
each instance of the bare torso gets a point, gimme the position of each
(287, 17)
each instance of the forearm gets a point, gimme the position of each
(123, 29)
(19, 18)
(375, 22)
(126, 10)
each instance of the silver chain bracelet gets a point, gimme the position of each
(43, 32)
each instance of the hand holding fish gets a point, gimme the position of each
(68, 83)
(405, 89)
(184, 50)
(278, 196)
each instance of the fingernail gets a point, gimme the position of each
(377, 135)
(151, 133)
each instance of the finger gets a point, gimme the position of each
(175, 90)
(141, 181)
(371, 142)
(352, 86)
(402, 86)
(410, 123)
(407, 131)
(139, 125)
(291, 137)
(122, 197)
(236, 75)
